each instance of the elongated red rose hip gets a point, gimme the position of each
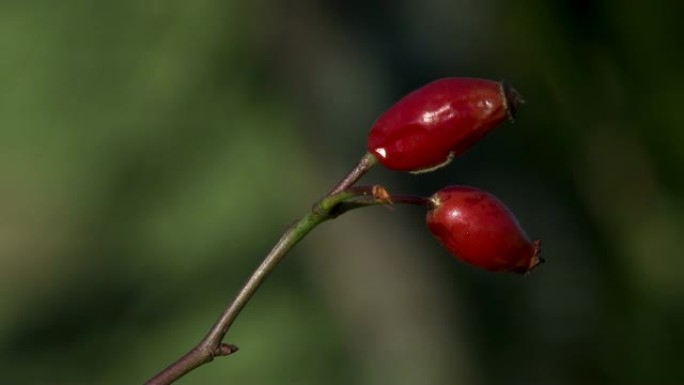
(478, 229)
(433, 124)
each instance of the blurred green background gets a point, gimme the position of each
(151, 152)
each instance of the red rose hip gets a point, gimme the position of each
(478, 229)
(433, 124)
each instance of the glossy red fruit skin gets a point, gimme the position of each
(477, 228)
(431, 125)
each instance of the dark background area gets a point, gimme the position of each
(152, 152)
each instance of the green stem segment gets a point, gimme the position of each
(211, 346)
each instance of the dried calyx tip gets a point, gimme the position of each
(512, 98)
(538, 252)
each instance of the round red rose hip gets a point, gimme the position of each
(433, 124)
(478, 229)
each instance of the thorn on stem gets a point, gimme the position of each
(225, 350)
(381, 195)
